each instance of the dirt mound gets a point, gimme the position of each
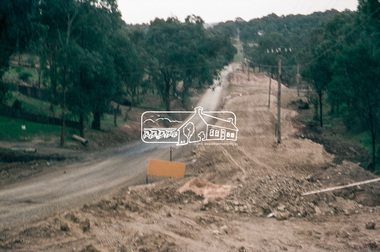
(205, 188)
(262, 209)
(339, 147)
(280, 197)
(348, 173)
(122, 134)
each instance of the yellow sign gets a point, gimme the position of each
(166, 168)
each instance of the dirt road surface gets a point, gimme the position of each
(235, 197)
(80, 183)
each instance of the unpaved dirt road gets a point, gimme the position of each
(264, 210)
(76, 184)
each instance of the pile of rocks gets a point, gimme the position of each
(281, 197)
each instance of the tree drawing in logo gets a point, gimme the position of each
(199, 126)
(202, 136)
(188, 131)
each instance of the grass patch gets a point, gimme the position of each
(107, 122)
(239, 56)
(32, 105)
(15, 72)
(152, 102)
(335, 131)
(11, 129)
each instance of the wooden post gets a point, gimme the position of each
(248, 71)
(270, 87)
(298, 80)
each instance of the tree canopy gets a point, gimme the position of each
(89, 57)
(337, 52)
(185, 53)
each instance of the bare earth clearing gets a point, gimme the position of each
(263, 211)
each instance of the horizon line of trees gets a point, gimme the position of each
(89, 57)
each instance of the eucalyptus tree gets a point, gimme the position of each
(264, 53)
(129, 58)
(357, 73)
(16, 23)
(185, 53)
(196, 68)
(60, 20)
(77, 55)
(337, 33)
(163, 45)
(94, 81)
(319, 72)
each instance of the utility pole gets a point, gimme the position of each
(278, 128)
(247, 63)
(270, 86)
(248, 71)
(279, 99)
(298, 79)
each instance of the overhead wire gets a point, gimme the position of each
(331, 47)
(344, 37)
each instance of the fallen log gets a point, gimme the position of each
(24, 149)
(341, 187)
(79, 139)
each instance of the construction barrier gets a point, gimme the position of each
(166, 169)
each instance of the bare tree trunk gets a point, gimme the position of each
(82, 92)
(185, 93)
(320, 97)
(81, 125)
(63, 109)
(115, 115)
(39, 77)
(167, 96)
(65, 45)
(96, 122)
(373, 149)
(373, 138)
(166, 91)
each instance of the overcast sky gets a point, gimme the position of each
(212, 11)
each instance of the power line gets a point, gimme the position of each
(294, 66)
(345, 37)
(338, 42)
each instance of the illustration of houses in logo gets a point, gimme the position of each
(162, 127)
(205, 127)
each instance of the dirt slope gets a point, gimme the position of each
(264, 210)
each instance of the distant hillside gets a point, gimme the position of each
(294, 27)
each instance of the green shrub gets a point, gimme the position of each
(17, 105)
(25, 76)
